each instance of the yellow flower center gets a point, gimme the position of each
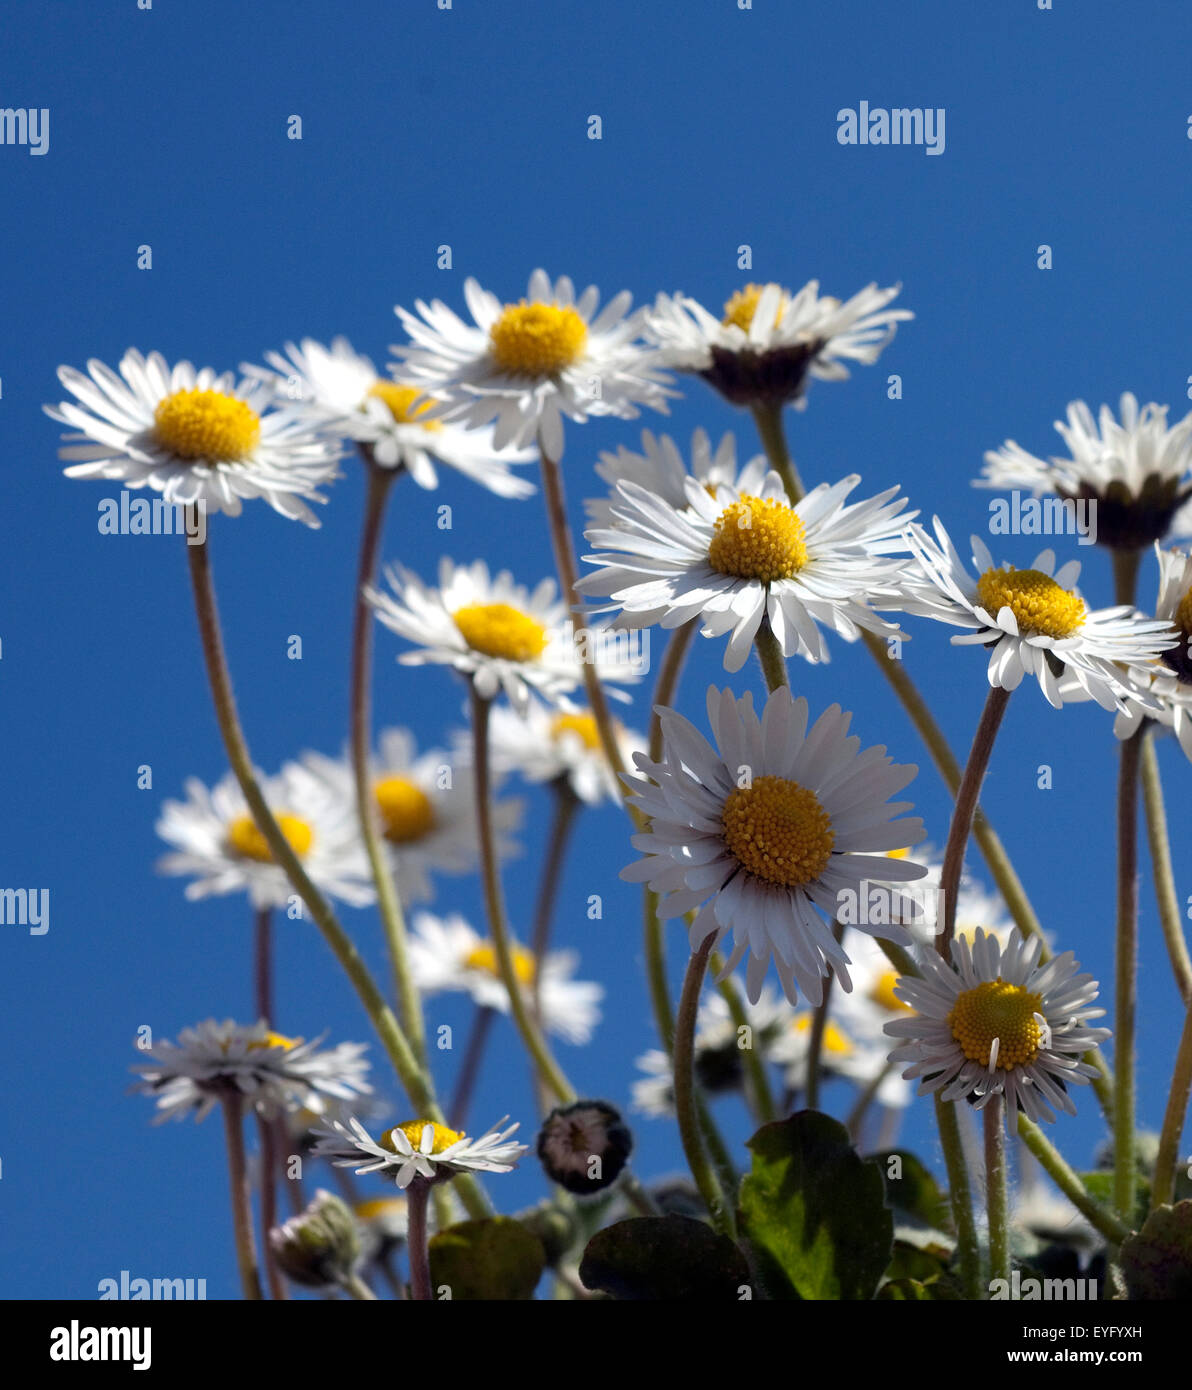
(897, 853)
(497, 629)
(537, 339)
(741, 307)
(1038, 603)
(883, 993)
(998, 1010)
(196, 424)
(274, 1040)
(1183, 614)
(834, 1040)
(406, 810)
(758, 540)
(484, 958)
(778, 831)
(379, 1206)
(444, 1137)
(406, 403)
(247, 841)
(582, 724)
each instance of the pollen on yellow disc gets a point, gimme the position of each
(407, 404)
(1183, 614)
(1039, 605)
(412, 1129)
(834, 1041)
(247, 841)
(883, 993)
(274, 1040)
(758, 540)
(500, 630)
(740, 308)
(484, 957)
(406, 810)
(999, 1010)
(195, 424)
(537, 339)
(778, 831)
(582, 724)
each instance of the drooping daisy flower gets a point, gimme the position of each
(660, 469)
(1033, 620)
(1167, 683)
(419, 1149)
(545, 745)
(194, 436)
(527, 365)
(995, 1022)
(217, 843)
(426, 809)
(447, 955)
(341, 390)
(273, 1073)
(1137, 473)
(738, 558)
(770, 343)
(775, 822)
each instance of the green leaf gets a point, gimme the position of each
(1157, 1261)
(1100, 1186)
(914, 1291)
(813, 1214)
(664, 1257)
(492, 1259)
(912, 1191)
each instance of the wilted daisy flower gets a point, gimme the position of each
(320, 1247)
(660, 469)
(426, 809)
(419, 1149)
(340, 389)
(194, 436)
(775, 822)
(995, 1022)
(271, 1072)
(544, 745)
(217, 843)
(527, 365)
(770, 343)
(447, 955)
(584, 1146)
(1034, 621)
(738, 558)
(1135, 473)
(1167, 683)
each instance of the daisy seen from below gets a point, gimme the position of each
(528, 365)
(1168, 681)
(546, 745)
(419, 1149)
(762, 833)
(996, 1022)
(1033, 621)
(192, 435)
(769, 344)
(446, 954)
(340, 389)
(738, 559)
(273, 1074)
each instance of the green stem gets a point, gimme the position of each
(269, 1158)
(470, 1066)
(769, 653)
(1126, 974)
(1165, 894)
(1163, 1184)
(768, 419)
(566, 806)
(960, 1193)
(856, 1116)
(997, 1202)
(417, 1246)
(755, 1064)
(1068, 1182)
(246, 1255)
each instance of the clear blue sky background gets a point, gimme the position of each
(469, 127)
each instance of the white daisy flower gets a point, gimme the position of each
(995, 1022)
(775, 822)
(217, 843)
(194, 436)
(426, 809)
(653, 1093)
(527, 365)
(1137, 472)
(273, 1073)
(1033, 620)
(419, 1149)
(738, 558)
(853, 1048)
(545, 745)
(447, 955)
(660, 469)
(770, 343)
(1168, 681)
(340, 389)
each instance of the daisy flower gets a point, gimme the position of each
(738, 558)
(769, 343)
(995, 1022)
(426, 809)
(1136, 472)
(194, 436)
(273, 1073)
(528, 365)
(853, 1049)
(660, 469)
(339, 388)
(771, 824)
(419, 1149)
(1167, 682)
(447, 955)
(1033, 620)
(545, 745)
(216, 841)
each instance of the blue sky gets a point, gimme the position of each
(468, 127)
